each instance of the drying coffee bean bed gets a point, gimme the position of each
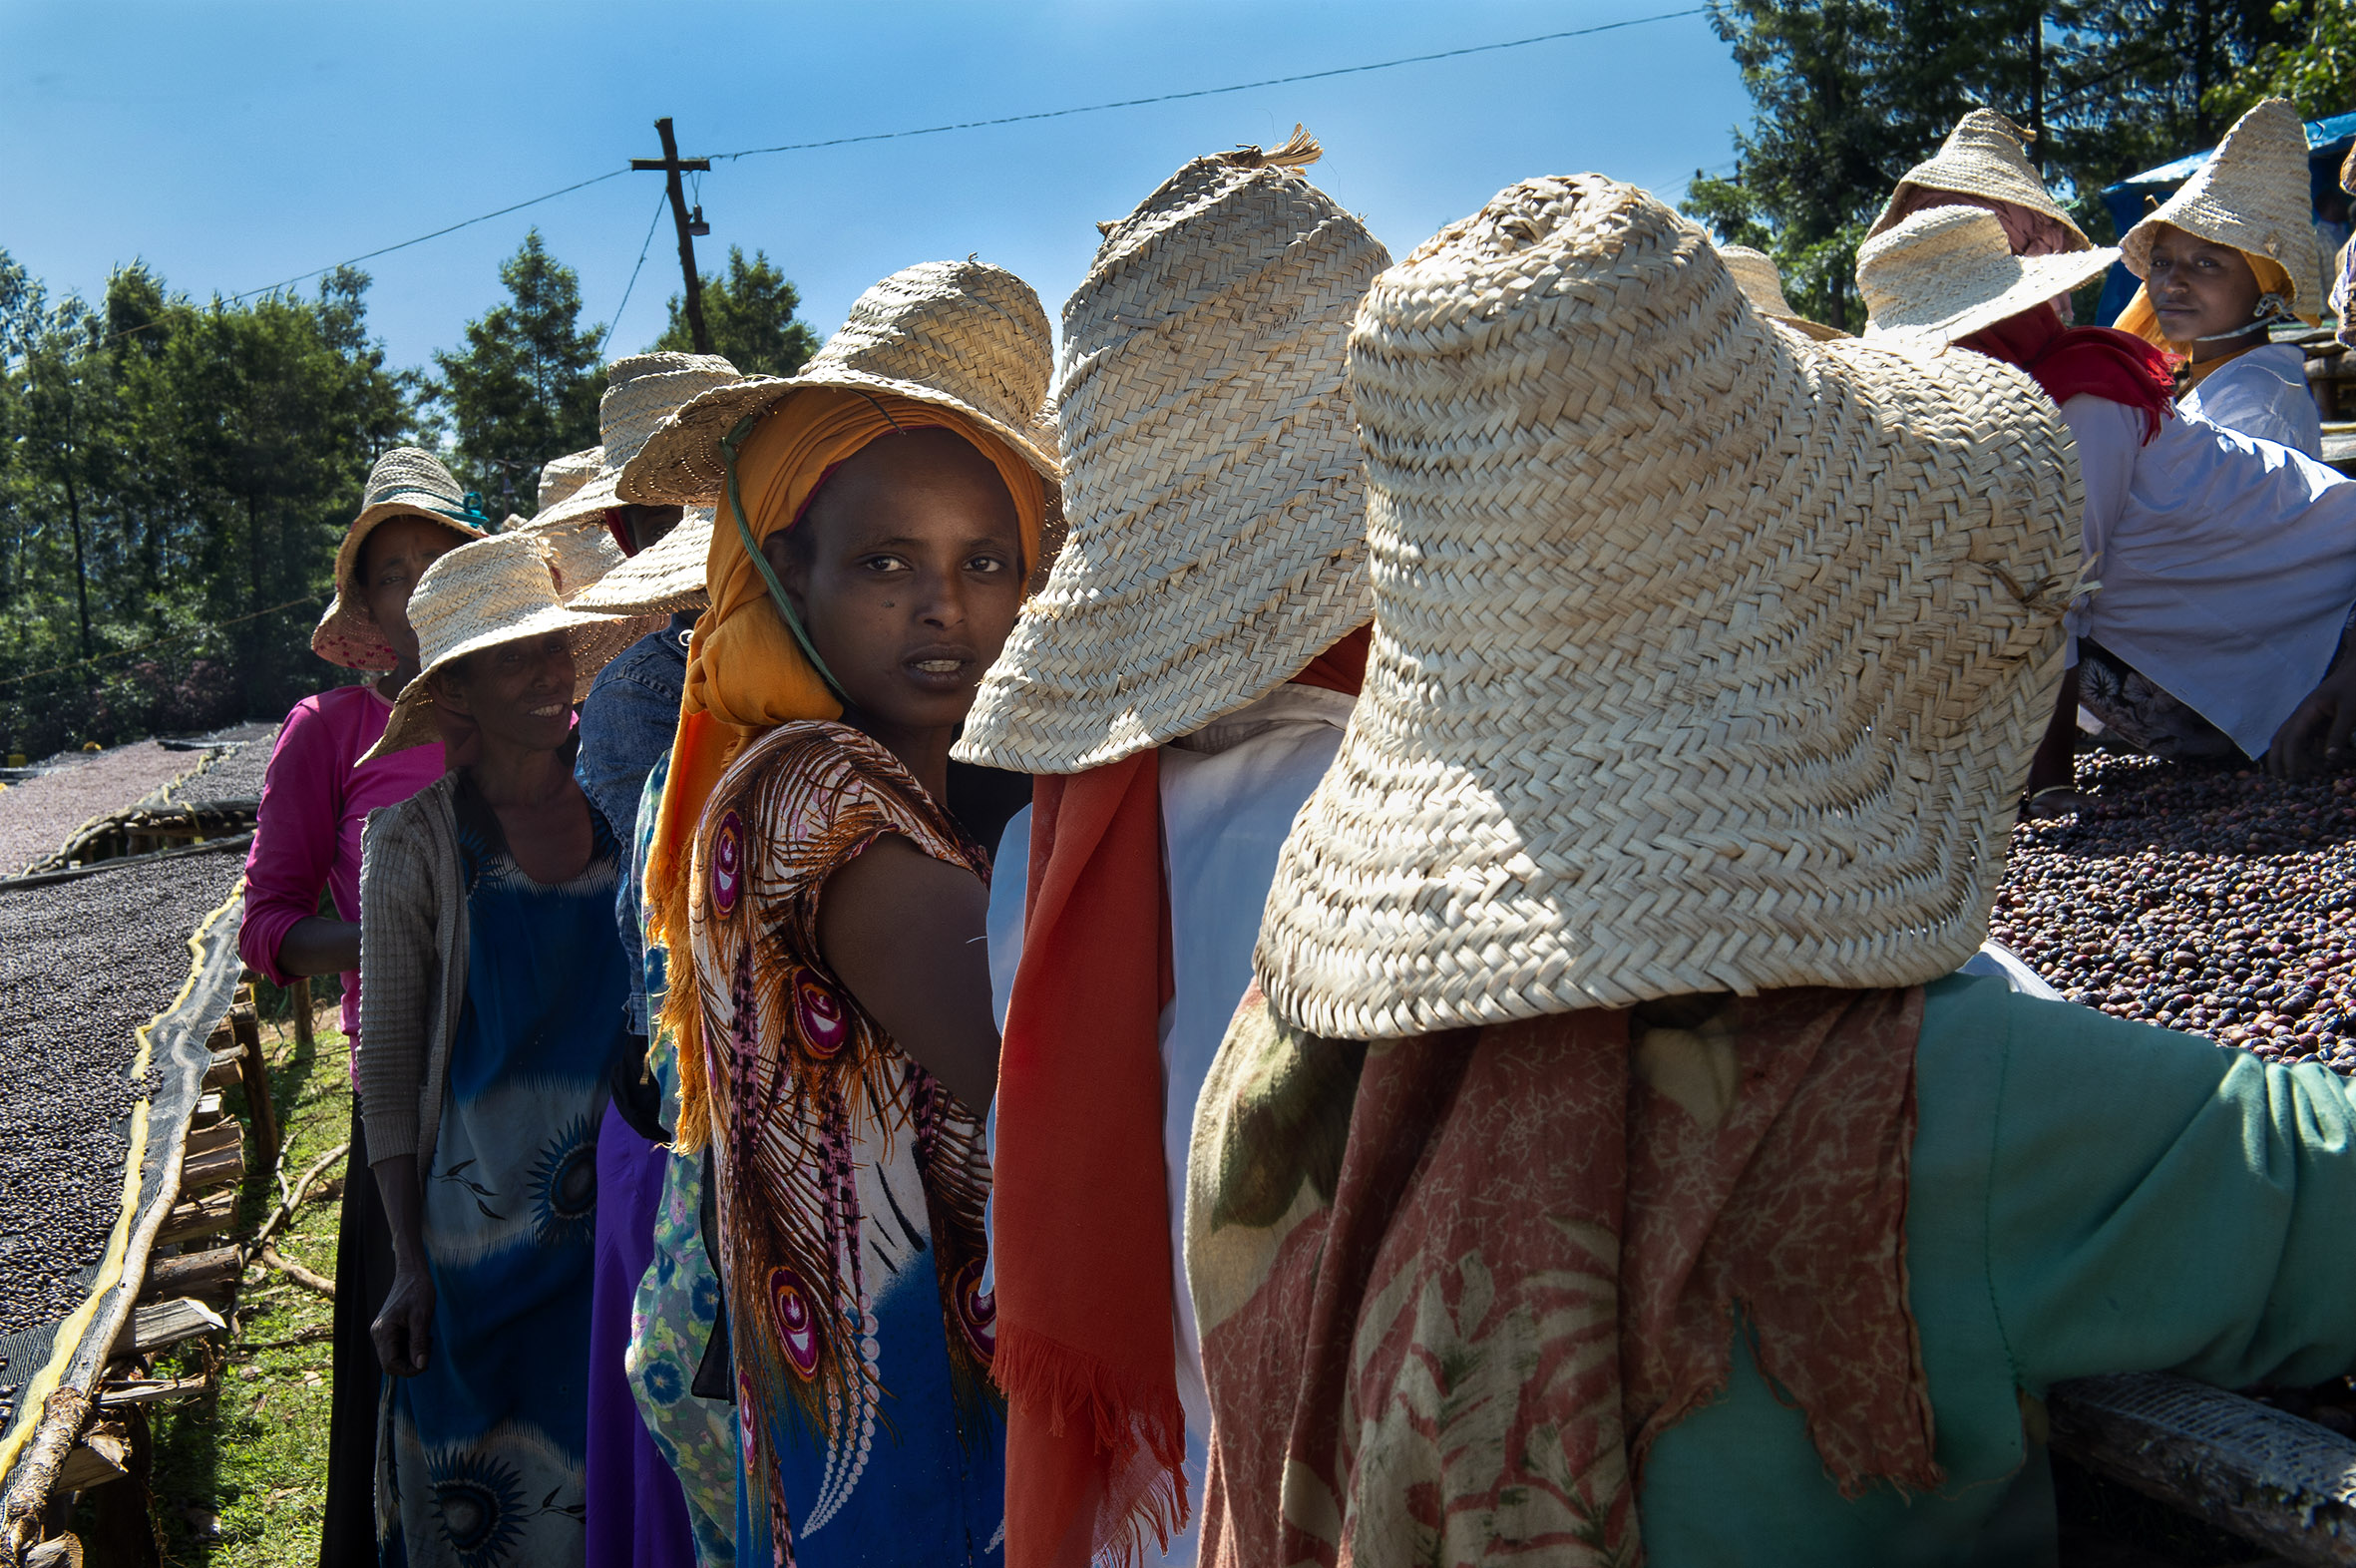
(234, 773)
(83, 966)
(39, 815)
(2212, 900)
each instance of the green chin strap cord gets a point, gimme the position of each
(785, 606)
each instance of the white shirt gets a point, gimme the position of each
(2262, 393)
(2227, 564)
(1228, 794)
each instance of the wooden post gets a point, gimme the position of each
(670, 162)
(299, 996)
(254, 1073)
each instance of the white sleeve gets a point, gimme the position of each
(1009, 877)
(2109, 438)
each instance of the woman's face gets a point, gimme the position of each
(907, 571)
(2199, 288)
(519, 692)
(392, 558)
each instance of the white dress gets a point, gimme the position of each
(1228, 794)
(2226, 563)
(2262, 393)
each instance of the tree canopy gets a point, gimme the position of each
(750, 314)
(525, 386)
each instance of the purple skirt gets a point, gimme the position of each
(638, 1516)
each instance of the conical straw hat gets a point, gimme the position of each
(579, 557)
(2252, 195)
(1213, 480)
(1706, 657)
(1945, 273)
(493, 591)
(1984, 156)
(961, 334)
(406, 482)
(560, 478)
(641, 392)
(1755, 273)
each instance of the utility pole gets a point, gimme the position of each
(670, 162)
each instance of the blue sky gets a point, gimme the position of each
(235, 144)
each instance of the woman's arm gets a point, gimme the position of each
(317, 945)
(404, 1329)
(293, 853)
(909, 934)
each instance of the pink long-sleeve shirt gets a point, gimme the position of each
(314, 802)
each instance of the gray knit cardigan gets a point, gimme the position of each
(413, 952)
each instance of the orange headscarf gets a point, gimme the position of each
(2139, 319)
(747, 674)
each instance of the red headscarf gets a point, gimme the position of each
(2098, 361)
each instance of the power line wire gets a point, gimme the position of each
(661, 202)
(1214, 91)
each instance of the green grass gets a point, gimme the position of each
(240, 1471)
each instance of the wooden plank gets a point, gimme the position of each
(209, 1215)
(103, 1455)
(163, 1324)
(223, 1070)
(208, 1274)
(2286, 1484)
(127, 1391)
(214, 1157)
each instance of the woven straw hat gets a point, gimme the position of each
(641, 392)
(1213, 479)
(406, 482)
(2252, 195)
(1945, 273)
(479, 596)
(560, 478)
(1984, 156)
(577, 557)
(666, 575)
(1755, 274)
(959, 334)
(1706, 657)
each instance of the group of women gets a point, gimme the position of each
(1328, 940)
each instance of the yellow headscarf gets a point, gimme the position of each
(2139, 319)
(746, 672)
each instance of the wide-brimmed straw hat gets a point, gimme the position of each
(1755, 273)
(579, 558)
(406, 482)
(1947, 272)
(965, 335)
(1706, 657)
(1984, 156)
(665, 577)
(479, 595)
(641, 392)
(2252, 195)
(560, 478)
(1213, 484)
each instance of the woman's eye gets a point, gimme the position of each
(986, 563)
(883, 563)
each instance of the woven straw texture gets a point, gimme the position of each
(641, 393)
(1945, 273)
(577, 557)
(494, 590)
(1704, 658)
(666, 575)
(1211, 474)
(406, 482)
(962, 334)
(2252, 195)
(560, 478)
(1756, 274)
(1984, 156)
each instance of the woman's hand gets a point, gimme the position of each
(404, 1331)
(2328, 715)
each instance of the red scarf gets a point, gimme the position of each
(1080, 1243)
(2098, 361)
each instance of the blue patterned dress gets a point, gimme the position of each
(480, 1456)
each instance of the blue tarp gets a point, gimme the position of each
(2328, 141)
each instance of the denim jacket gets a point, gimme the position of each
(628, 720)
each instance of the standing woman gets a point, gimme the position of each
(2223, 259)
(494, 982)
(307, 839)
(825, 905)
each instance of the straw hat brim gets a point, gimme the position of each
(2018, 282)
(346, 634)
(595, 640)
(585, 506)
(683, 464)
(1814, 331)
(665, 577)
